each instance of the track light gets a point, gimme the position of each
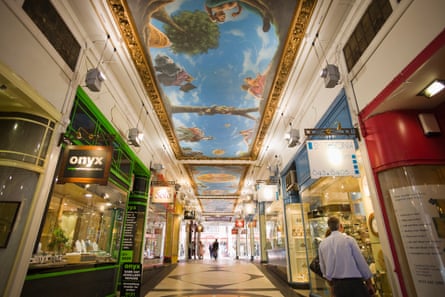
(158, 167)
(331, 75)
(94, 79)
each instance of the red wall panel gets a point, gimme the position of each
(396, 139)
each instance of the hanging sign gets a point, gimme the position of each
(252, 224)
(189, 214)
(234, 231)
(332, 158)
(85, 164)
(162, 194)
(239, 223)
(267, 192)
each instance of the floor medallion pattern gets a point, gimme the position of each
(221, 278)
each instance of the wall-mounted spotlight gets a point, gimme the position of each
(292, 137)
(158, 167)
(331, 75)
(432, 88)
(94, 79)
(135, 137)
(134, 134)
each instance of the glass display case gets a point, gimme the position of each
(83, 224)
(298, 267)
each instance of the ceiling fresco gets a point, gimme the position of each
(214, 72)
(217, 180)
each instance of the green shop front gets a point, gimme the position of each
(91, 237)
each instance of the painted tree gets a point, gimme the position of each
(197, 35)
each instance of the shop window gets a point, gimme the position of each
(347, 198)
(83, 223)
(275, 235)
(16, 192)
(25, 137)
(414, 202)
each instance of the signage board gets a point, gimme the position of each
(332, 158)
(239, 223)
(131, 279)
(252, 224)
(85, 164)
(162, 194)
(189, 214)
(134, 223)
(267, 193)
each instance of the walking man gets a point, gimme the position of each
(343, 264)
(215, 248)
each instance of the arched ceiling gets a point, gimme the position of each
(214, 83)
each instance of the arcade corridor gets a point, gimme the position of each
(223, 277)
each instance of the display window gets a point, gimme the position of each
(83, 223)
(347, 198)
(275, 236)
(154, 238)
(414, 198)
(296, 216)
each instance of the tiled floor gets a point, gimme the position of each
(216, 278)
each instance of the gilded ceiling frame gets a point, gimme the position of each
(121, 13)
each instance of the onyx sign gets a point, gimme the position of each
(87, 164)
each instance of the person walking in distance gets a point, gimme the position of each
(211, 250)
(215, 248)
(343, 264)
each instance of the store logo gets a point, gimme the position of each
(85, 164)
(86, 161)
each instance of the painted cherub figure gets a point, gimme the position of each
(217, 10)
(255, 86)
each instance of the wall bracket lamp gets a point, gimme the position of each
(94, 79)
(135, 137)
(293, 137)
(331, 75)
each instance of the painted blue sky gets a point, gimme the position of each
(244, 50)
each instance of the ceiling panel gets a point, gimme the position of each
(217, 205)
(214, 73)
(217, 180)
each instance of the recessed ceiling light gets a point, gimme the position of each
(433, 88)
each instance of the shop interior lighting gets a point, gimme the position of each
(433, 88)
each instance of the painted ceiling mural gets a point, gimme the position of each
(214, 70)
